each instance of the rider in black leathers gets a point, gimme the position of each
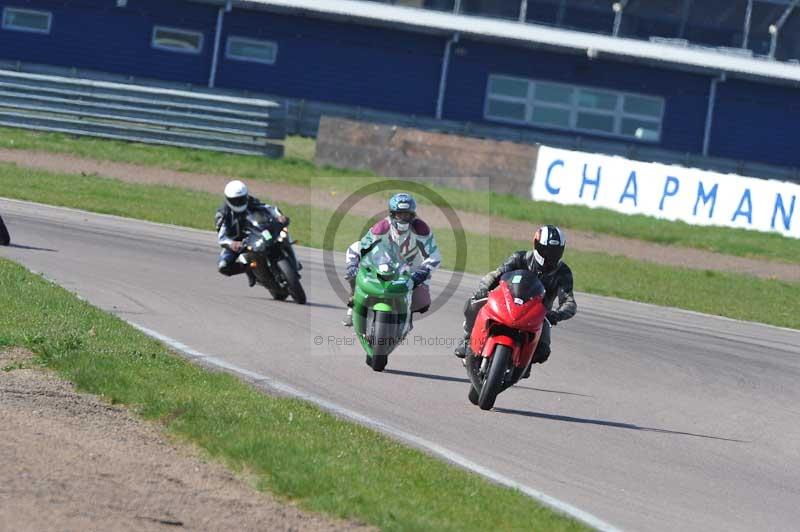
(5, 239)
(545, 261)
(229, 221)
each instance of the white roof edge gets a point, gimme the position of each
(533, 33)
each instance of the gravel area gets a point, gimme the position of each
(72, 462)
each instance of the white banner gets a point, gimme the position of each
(671, 192)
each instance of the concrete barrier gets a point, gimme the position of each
(500, 166)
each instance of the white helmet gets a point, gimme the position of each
(236, 196)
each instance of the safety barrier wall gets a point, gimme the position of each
(543, 173)
(498, 166)
(140, 113)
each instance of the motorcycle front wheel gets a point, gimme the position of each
(292, 281)
(384, 339)
(494, 379)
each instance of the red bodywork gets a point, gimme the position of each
(502, 312)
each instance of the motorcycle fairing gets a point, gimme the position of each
(511, 309)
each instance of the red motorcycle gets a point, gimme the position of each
(504, 337)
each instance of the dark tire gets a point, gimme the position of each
(5, 238)
(383, 337)
(379, 362)
(292, 281)
(494, 380)
(473, 395)
(278, 294)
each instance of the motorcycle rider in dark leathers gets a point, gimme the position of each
(545, 261)
(229, 221)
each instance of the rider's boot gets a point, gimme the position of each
(461, 349)
(251, 277)
(347, 321)
(527, 373)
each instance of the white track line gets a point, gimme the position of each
(430, 446)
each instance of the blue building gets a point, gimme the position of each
(563, 69)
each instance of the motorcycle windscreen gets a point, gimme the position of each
(258, 217)
(384, 258)
(524, 285)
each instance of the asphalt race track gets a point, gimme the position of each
(647, 418)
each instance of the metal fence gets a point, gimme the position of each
(139, 113)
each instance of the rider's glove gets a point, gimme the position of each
(420, 276)
(552, 317)
(481, 293)
(351, 272)
(284, 220)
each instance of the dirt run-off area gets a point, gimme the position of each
(72, 462)
(280, 193)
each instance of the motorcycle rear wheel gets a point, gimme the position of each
(473, 395)
(494, 379)
(278, 294)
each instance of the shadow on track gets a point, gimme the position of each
(430, 376)
(604, 423)
(466, 381)
(325, 305)
(34, 248)
(268, 298)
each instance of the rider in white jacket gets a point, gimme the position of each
(417, 246)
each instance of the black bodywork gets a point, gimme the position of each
(267, 244)
(5, 238)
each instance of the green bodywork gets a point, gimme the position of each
(383, 285)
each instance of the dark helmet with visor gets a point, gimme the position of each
(548, 247)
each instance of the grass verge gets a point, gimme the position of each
(731, 295)
(290, 447)
(298, 169)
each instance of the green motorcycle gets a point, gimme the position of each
(382, 301)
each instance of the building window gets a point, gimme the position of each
(177, 40)
(27, 20)
(574, 108)
(244, 49)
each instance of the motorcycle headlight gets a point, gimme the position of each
(259, 245)
(385, 273)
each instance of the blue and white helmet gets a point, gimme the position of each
(402, 202)
(402, 210)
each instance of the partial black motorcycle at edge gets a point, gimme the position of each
(5, 239)
(268, 251)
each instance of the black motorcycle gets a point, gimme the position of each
(268, 251)
(5, 239)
